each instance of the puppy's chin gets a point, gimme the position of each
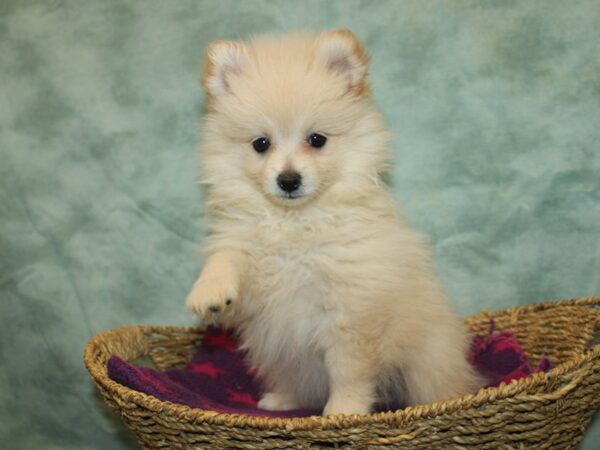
(289, 200)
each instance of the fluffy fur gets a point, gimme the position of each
(331, 292)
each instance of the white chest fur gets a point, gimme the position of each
(286, 305)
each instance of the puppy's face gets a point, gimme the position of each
(283, 113)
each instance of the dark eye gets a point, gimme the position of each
(316, 140)
(261, 144)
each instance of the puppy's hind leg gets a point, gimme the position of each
(440, 372)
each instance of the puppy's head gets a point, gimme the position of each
(290, 117)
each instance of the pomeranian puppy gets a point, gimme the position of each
(307, 258)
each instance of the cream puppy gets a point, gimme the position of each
(307, 257)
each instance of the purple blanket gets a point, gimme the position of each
(218, 378)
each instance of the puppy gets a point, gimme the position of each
(307, 258)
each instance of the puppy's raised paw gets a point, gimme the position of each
(211, 299)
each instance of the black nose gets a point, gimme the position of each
(289, 181)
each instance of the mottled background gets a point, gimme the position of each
(495, 109)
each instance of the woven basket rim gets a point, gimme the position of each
(99, 373)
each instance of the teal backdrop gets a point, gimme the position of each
(495, 108)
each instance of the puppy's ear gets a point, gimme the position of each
(223, 60)
(343, 54)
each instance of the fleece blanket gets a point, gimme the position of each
(219, 379)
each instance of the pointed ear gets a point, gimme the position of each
(223, 60)
(342, 53)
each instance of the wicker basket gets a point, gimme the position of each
(546, 410)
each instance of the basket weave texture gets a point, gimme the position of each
(544, 411)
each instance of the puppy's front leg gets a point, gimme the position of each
(217, 289)
(352, 378)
